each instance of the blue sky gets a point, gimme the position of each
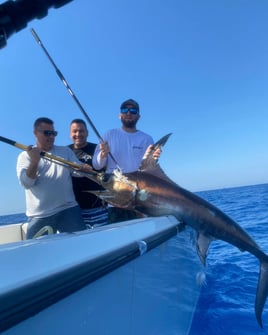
(198, 69)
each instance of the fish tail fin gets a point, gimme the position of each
(262, 290)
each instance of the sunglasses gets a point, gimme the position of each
(48, 133)
(131, 110)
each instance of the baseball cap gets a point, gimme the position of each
(130, 102)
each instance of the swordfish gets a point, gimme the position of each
(150, 192)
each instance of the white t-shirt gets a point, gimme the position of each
(52, 191)
(127, 149)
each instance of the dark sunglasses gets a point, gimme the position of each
(48, 132)
(131, 110)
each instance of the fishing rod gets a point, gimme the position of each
(65, 83)
(61, 161)
(44, 154)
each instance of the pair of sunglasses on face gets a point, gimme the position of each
(48, 133)
(130, 110)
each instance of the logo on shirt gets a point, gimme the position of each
(86, 157)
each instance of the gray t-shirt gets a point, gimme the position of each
(52, 191)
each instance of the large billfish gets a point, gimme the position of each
(150, 192)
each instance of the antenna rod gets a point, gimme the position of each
(71, 92)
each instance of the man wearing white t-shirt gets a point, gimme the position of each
(127, 146)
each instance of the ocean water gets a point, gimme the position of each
(226, 303)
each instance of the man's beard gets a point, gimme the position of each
(129, 123)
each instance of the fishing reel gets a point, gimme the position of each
(15, 15)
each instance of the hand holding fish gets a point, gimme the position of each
(156, 153)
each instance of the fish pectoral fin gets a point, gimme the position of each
(202, 245)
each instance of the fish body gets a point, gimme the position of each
(151, 193)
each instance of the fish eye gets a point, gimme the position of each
(105, 177)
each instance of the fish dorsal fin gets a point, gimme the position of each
(150, 165)
(148, 161)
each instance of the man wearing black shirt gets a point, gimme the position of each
(94, 211)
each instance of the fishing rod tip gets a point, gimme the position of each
(35, 35)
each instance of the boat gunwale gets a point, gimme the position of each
(20, 303)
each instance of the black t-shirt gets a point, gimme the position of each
(86, 200)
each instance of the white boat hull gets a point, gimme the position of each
(128, 278)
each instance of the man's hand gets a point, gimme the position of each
(86, 168)
(104, 150)
(156, 153)
(34, 154)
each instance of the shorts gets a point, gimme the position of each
(94, 217)
(68, 220)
